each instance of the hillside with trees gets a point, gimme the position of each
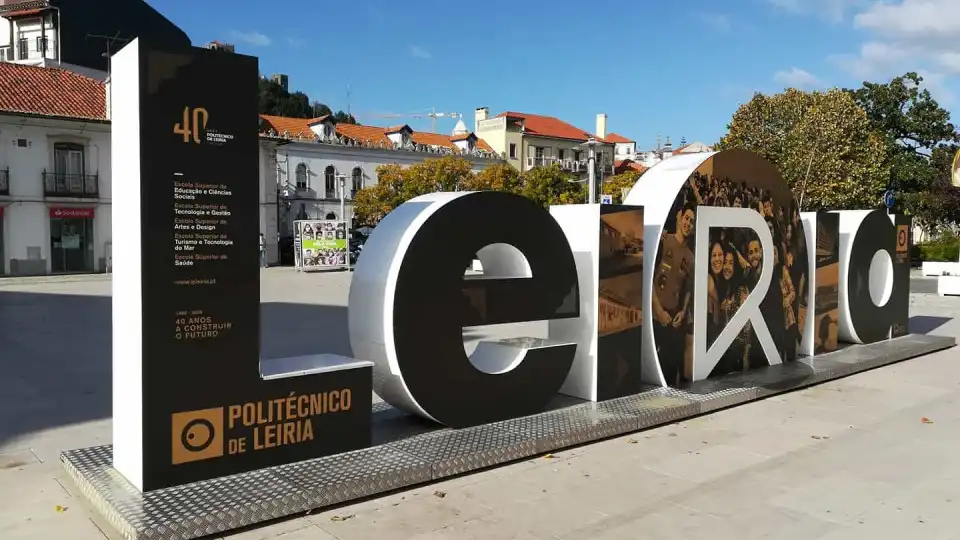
(276, 101)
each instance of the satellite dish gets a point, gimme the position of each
(955, 170)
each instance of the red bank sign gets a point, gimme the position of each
(71, 213)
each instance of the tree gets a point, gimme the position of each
(936, 208)
(617, 183)
(448, 173)
(552, 185)
(496, 177)
(912, 124)
(822, 143)
(396, 185)
(274, 100)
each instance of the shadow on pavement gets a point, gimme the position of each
(923, 324)
(56, 354)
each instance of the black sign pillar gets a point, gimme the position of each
(191, 398)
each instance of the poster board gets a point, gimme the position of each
(321, 244)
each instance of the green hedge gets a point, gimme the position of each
(945, 248)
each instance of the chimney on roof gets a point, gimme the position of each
(106, 92)
(482, 113)
(601, 126)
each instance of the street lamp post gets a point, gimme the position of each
(343, 187)
(591, 170)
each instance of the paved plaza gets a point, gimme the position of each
(869, 456)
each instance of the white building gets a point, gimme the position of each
(650, 158)
(304, 162)
(54, 172)
(624, 148)
(79, 36)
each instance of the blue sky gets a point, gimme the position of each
(652, 67)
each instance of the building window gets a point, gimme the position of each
(42, 44)
(330, 182)
(357, 182)
(561, 153)
(68, 160)
(576, 155)
(22, 50)
(513, 150)
(538, 152)
(301, 176)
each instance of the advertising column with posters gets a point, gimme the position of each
(322, 244)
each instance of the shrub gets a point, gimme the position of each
(944, 248)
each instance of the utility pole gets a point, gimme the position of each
(591, 170)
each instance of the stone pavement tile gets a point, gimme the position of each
(291, 529)
(478, 529)
(663, 521)
(31, 492)
(14, 459)
(420, 515)
(48, 444)
(840, 498)
(709, 463)
(73, 524)
(653, 446)
(573, 499)
(883, 530)
(797, 433)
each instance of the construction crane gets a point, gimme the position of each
(432, 115)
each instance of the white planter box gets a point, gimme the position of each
(939, 267)
(948, 285)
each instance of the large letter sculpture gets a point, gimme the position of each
(742, 266)
(874, 275)
(607, 242)
(820, 310)
(410, 300)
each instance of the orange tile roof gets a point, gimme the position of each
(293, 127)
(548, 126)
(623, 165)
(366, 134)
(616, 138)
(51, 92)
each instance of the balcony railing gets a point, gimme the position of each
(4, 181)
(71, 185)
(569, 165)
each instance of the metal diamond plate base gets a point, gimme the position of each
(410, 451)
(455, 451)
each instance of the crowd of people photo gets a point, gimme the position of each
(323, 243)
(735, 263)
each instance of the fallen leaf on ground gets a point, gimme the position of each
(341, 518)
(819, 437)
(439, 494)
(926, 420)
(60, 509)
(631, 441)
(548, 456)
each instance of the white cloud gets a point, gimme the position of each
(902, 36)
(797, 78)
(251, 38)
(419, 52)
(717, 21)
(834, 11)
(296, 42)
